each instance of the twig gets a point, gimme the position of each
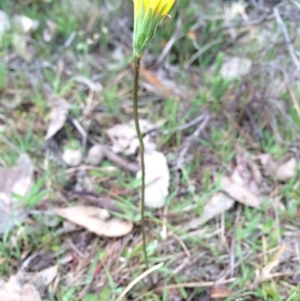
(185, 126)
(287, 38)
(122, 163)
(187, 144)
(194, 284)
(138, 279)
(176, 36)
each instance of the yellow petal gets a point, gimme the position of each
(168, 7)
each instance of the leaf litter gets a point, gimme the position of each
(244, 184)
(16, 180)
(58, 115)
(25, 286)
(95, 220)
(281, 171)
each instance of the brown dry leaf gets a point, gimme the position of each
(124, 137)
(40, 280)
(157, 179)
(151, 78)
(239, 193)
(160, 85)
(95, 220)
(214, 206)
(14, 180)
(286, 170)
(245, 182)
(279, 171)
(95, 87)
(17, 179)
(220, 291)
(58, 116)
(268, 164)
(14, 290)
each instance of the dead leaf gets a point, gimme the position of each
(58, 116)
(95, 220)
(244, 184)
(95, 87)
(239, 193)
(17, 179)
(286, 170)
(159, 84)
(14, 290)
(220, 291)
(157, 179)
(235, 67)
(214, 206)
(124, 137)
(280, 171)
(268, 164)
(41, 280)
(14, 180)
(152, 79)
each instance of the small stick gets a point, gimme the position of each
(138, 279)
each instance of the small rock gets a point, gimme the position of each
(73, 157)
(95, 155)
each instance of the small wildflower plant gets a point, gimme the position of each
(147, 16)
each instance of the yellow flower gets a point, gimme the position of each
(147, 15)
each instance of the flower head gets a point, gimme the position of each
(147, 15)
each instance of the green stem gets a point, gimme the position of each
(142, 152)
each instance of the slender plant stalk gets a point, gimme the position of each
(142, 153)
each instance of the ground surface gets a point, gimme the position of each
(219, 87)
